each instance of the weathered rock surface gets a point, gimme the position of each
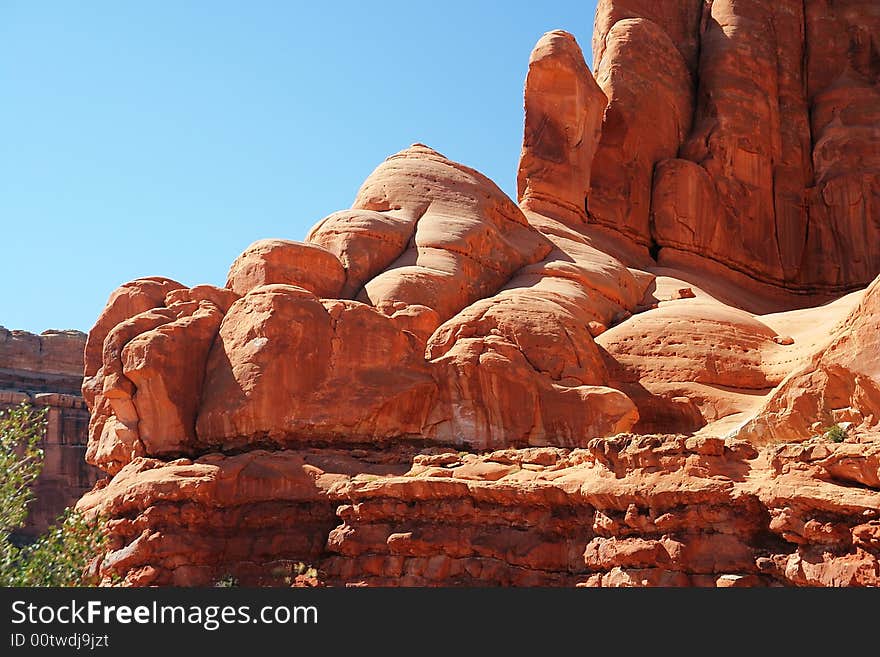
(49, 362)
(621, 381)
(641, 72)
(564, 107)
(840, 384)
(454, 338)
(777, 175)
(46, 371)
(283, 262)
(626, 511)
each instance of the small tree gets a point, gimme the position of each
(59, 557)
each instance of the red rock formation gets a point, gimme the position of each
(49, 362)
(783, 142)
(644, 285)
(189, 370)
(46, 371)
(268, 262)
(627, 511)
(840, 384)
(641, 71)
(564, 107)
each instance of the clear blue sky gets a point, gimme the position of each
(161, 138)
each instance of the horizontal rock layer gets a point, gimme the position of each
(625, 511)
(49, 362)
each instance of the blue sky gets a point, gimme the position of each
(161, 138)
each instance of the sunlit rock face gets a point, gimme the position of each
(623, 379)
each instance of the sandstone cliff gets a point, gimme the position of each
(46, 371)
(624, 379)
(623, 511)
(743, 134)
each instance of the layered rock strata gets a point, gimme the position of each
(624, 511)
(46, 371)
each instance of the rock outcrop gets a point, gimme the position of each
(758, 123)
(563, 117)
(49, 362)
(624, 511)
(451, 337)
(839, 385)
(624, 380)
(46, 370)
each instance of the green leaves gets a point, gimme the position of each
(60, 557)
(835, 433)
(21, 460)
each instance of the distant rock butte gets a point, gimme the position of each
(623, 380)
(46, 371)
(49, 362)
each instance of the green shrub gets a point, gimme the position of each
(835, 433)
(59, 557)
